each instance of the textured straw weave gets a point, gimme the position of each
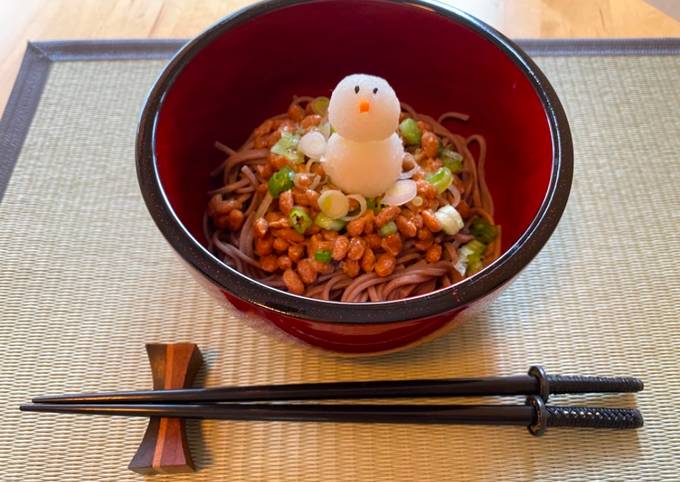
(86, 280)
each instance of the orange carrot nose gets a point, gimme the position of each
(364, 106)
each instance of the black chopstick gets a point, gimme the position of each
(535, 415)
(535, 383)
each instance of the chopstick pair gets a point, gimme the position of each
(228, 403)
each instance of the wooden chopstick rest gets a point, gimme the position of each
(164, 448)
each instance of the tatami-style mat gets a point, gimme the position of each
(86, 279)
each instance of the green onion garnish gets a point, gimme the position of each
(299, 219)
(450, 219)
(483, 231)
(320, 105)
(373, 203)
(472, 252)
(475, 247)
(388, 228)
(323, 256)
(325, 222)
(474, 264)
(441, 179)
(334, 203)
(410, 132)
(451, 159)
(281, 180)
(287, 147)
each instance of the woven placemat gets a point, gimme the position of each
(86, 279)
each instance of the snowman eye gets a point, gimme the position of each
(375, 91)
(356, 89)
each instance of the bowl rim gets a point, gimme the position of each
(450, 299)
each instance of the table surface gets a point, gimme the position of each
(22, 20)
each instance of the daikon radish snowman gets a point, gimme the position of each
(364, 154)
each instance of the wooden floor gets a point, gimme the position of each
(22, 20)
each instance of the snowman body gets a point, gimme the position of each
(374, 166)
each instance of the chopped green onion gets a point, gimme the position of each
(325, 129)
(474, 264)
(441, 179)
(401, 192)
(359, 211)
(299, 219)
(451, 159)
(483, 231)
(312, 144)
(320, 105)
(475, 247)
(388, 228)
(474, 259)
(287, 147)
(333, 203)
(410, 132)
(470, 258)
(281, 180)
(450, 219)
(325, 222)
(323, 256)
(373, 203)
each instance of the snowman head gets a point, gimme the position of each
(364, 108)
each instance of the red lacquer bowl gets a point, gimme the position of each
(248, 66)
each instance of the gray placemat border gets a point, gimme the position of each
(34, 71)
(585, 47)
(120, 49)
(20, 109)
(39, 56)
